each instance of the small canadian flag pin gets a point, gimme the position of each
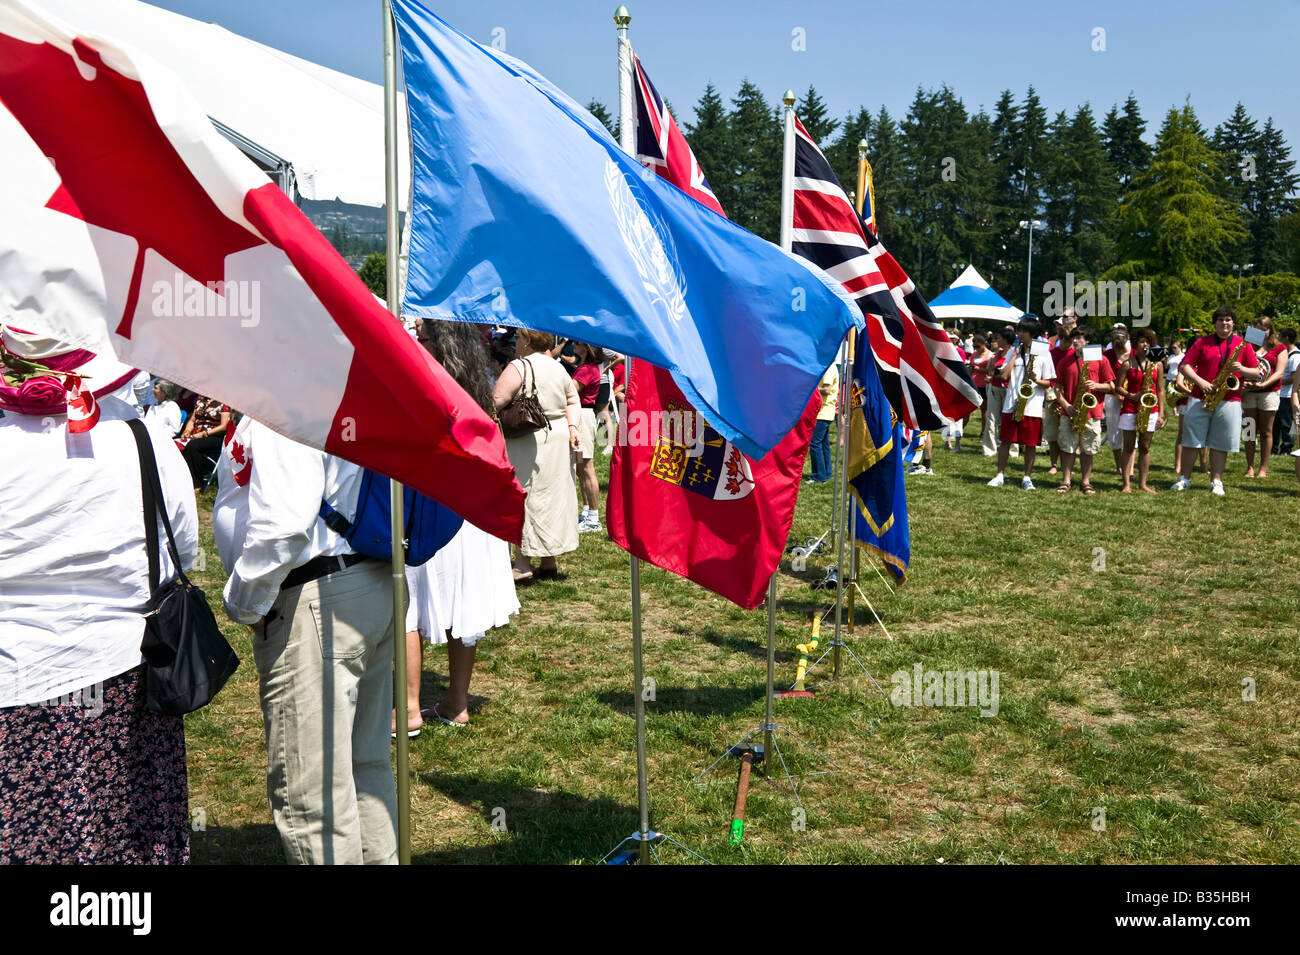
(83, 411)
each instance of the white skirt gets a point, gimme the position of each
(467, 588)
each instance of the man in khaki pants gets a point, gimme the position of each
(322, 620)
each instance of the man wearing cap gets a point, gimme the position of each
(322, 618)
(1220, 429)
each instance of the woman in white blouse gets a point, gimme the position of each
(166, 413)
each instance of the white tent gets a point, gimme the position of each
(972, 297)
(308, 126)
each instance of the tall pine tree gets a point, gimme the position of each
(710, 139)
(755, 163)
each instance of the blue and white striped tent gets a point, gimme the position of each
(970, 297)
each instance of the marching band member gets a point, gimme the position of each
(1060, 352)
(1075, 378)
(1116, 354)
(1141, 376)
(1260, 401)
(1210, 358)
(1022, 415)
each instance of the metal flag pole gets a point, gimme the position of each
(850, 530)
(394, 488)
(770, 728)
(644, 838)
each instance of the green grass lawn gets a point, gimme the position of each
(1122, 628)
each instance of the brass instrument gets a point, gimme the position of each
(1224, 382)
(1084, 402)
(1147, 402)
(1176, 391)
(1026, 390)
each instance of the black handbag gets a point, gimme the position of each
(524, 414)
(187, 660)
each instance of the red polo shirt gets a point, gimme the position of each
(1207, 355)
(1133, 384)
(1067, 379)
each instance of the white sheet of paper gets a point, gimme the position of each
(1093, 352)
(1039, 348)
(1256, 336)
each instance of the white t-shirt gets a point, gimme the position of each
(73, 567)
(166, 416)
(284, 529)
(1292, 362)
(1044, 370)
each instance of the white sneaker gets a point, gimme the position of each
(998, 481)
(1216, 488)
(1027, 485)
(1182, 484)
(589, 523)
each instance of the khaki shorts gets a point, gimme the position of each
(1088, 443)
(1051, 425)
(1263, 400)
(587, 434)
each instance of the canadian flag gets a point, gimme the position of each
(129, 225)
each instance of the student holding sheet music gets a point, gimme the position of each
(1025, 428)
(1141, 375)
(1082, 371)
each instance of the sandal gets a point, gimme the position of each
(1063, 489)
(1088, 489)
(443, 720)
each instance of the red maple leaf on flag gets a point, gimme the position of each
(135, 184)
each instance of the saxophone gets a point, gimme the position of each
(1084, 402)
(1026, 390)
(1224, 382)
(1148, 402)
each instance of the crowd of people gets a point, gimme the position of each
(1069, 394)
(321, 613)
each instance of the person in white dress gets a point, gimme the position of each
(466, 588)
(165, 414)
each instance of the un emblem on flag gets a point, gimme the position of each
(649, 244)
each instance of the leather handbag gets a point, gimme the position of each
(187, 660)
(524, 414)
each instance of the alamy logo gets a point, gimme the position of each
(75, 907)
(1102, 299)
(946, 688)
(183, 298)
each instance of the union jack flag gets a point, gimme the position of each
(921, 371)
(661, 146)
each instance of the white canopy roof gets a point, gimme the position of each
(327, 124)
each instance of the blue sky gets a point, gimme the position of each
(856, 53)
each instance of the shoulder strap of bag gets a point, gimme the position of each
(528, 366)
(151, 491)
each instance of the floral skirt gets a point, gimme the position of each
(93, 779)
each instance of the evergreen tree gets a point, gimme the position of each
(1269, 197)
(374, 273)
(1238, 140)
(816, 118)
(1175, 225)
(710, 139)
(1005, 269)
(755, 163)
(883, 156)
(1129, 154)
(597, 108)
(1092, 244)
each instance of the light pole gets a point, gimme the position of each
(1239, 269)
(1031, 225)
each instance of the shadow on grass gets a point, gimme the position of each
(531, 826)
(753, 646)
(255, 843)
(701, 701)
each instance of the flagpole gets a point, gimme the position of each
(395, 488)
(627, 139)
(864, 196)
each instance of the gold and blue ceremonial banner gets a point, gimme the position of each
(875, 469)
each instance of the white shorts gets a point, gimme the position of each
(1263, 400)
(1114, 437)
(1128, 422)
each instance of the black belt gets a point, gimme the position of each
(319, 567)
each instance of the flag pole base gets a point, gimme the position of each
(781, 778)
(642, 849)
(840, 644)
